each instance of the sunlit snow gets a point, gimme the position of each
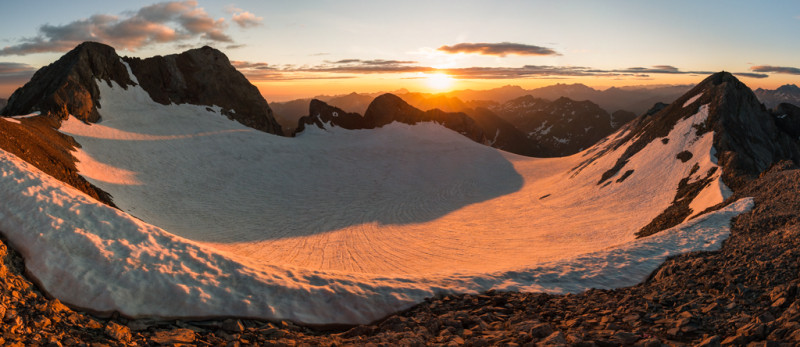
(334, 226)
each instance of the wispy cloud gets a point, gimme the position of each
(15, 73)
(246, 19)
(776, 69)
(176, 22)
(498, 49)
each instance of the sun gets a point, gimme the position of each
(439, 81)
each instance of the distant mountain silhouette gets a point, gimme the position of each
(787, 93)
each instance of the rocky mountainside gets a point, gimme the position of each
(69, 86)
(562, 127)
(787, 118)
(788, 93)
(386, 109)
(748, 139)
(201, 76)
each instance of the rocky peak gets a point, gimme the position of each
(68, 85)
(388, 108)
(202, 76)
(322, 114)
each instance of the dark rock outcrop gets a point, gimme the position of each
(204, 76)
(69, 85)
(320, 114)
(3, 103)
(787, 117)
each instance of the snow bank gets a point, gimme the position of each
(334, 226)
(94, 256)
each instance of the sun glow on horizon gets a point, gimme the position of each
(439, 81)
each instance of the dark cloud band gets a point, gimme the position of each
(499, 49)
(776, 69)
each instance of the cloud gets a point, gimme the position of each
(15, 73)
(246, 19)
(661, 69)
(776, 69)
(175, 21)
(351, 67)
(499, 49)
(751, 75)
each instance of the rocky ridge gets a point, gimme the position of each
(202, 76)
(747, 140)
(386, 109)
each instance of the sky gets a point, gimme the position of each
(294, 49)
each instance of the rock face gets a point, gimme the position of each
(748, 140)
(386, 109)
(204, 76)
(201, 76)
(320, 114)
(787, 117)
(562, 127)
(788, 93)
(68, 86)
(389, 108)
(3, 103)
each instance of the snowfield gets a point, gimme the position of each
(336, 226)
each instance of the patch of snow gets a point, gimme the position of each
(560, 140)
(15, 119)
(692, 100)
(782, 116)
(130, 72)
(494, 140)
(335, 114)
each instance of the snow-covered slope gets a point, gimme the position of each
(336, 226)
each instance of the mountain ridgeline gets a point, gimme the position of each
(748, 139)
(202, 76)
(526, 125)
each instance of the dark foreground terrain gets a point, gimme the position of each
(746, 293)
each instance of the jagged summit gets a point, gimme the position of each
(67, 86)
(202, 76)
(747, 140)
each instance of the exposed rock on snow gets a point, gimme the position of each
(321, 114)
(204, 76)
(201, 76)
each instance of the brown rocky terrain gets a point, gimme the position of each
(746, 293)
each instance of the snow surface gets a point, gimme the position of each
(333, 226)
(15, 119)
(692, 100)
